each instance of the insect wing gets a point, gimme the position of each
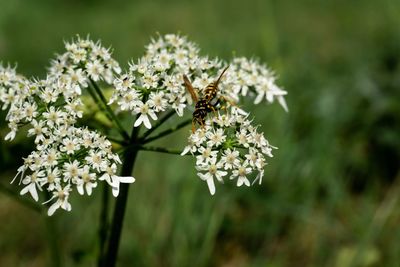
(190, 88)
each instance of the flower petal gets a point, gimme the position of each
(115, 191)
(211, 185)
(146, 121)
(138, 121)
(126, 179)
(53, 208)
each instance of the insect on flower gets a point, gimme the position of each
(207, 102)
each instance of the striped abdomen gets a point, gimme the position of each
(210, 92)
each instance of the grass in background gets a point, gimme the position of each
(330, 195)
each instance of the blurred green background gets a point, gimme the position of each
(330, 194)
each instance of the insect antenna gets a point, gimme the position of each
(220, 76)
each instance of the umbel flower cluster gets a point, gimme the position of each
(229, 146)
(70, 156)
(67, 157)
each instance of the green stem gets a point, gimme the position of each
(167, 132)
(53, 243)
(109, 111)
(52, 236)
(105, 201)
(102, 107)
(97, 101)
(120, 205)
(156, 149)
(158, 124)
(117, 141)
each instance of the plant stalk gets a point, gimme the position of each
(120, 205)
(104, 224)
(158, 124)
(166, 132)
(157, 149)
(53, 242)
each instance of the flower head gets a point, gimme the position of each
(229, 146)
(67, 157)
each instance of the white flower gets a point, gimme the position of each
(158, 101)
(11, 135)
(87, 181)
(95, 69)
(117, 180)
(74, 108)
(49, 95)
(129, 100)
(52, 179)
(259, 177)
(113, 180)
(178, 103)
(149, 80)
(216, 137)
(213, 170)
(71, 170)
(163, 61)
(77, 77)
(243, 137)
(96, 160)
(78, 55)
(62, 195)
(51, 156)
(53, 117)
(230, 159)
(241, 172)
(31, 182)
(69, 145)
(124, 83)
(206, 155)
(145, 111)
(39, 130)
(203, 81)
(30, 110)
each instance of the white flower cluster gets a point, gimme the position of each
(155, 83)
(248, 77)
(84, 60)
(229, 146)
(13, 92)
(66, 157)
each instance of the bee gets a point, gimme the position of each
(208, 101)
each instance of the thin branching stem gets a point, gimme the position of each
(155, 149)
(98, 102)
(109, 111)
(117, 141)
(158, 124)
(167, 132)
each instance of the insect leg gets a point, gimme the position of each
(193, 127)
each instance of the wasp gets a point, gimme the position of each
(207, 102)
